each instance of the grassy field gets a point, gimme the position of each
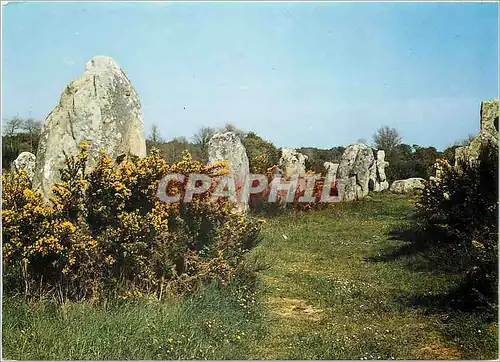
(343, 283)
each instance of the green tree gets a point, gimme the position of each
(229, 127)
(400, 162)
(423, 160)
(388, 139)
(449, 152)
(172, 150)
(33, 128)
(154, 138)
(201, 139)
(19, 135)
(316, 157)
(261, 150)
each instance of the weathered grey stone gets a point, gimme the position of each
(378, 180)
(374, 182)
(489, 117)
(381, 165)
(408, 186)
(439, 171)
(25, 161)
(228, 147)
(331, 168)
(101, 107)
(353, 173)
(292, 163)
(488, 134)
(461, 155)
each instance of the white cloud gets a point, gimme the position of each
(68, 61)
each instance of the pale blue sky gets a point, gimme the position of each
(298, 74)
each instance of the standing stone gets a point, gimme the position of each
(378, 179)
(228, 147)
(25, 161)
(373, 183)
(381, 165)
(354, 172)
(438, 171)
(488, 134)
(489, 117)
(101, 107)
(331, 169)
(292, 162)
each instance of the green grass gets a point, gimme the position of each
(338, 286)
(211, 324)
(339, 290)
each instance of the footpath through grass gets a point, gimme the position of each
(340, 284)
(344, 285)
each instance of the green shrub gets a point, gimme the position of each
(105, 232)
(463, 204)
(261, 154)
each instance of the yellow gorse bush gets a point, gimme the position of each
(105, 232)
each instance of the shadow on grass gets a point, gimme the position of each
(414, 242)
(463, 298)
(429, 250)
(425, 250)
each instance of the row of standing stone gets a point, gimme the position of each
(103, 108)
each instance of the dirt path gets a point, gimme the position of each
(329, 297)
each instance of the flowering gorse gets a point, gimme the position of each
(105, 231)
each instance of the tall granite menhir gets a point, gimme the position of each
(101, 107)
(353, 173)
(228, 147)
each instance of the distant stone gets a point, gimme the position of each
(373, 182)
(378, 180)
(408, 186)
(489, 116)
(228, 147)
(292, 163)
(438, 172)
(381, 165)
(101, 107)
(331, 169)
(488, 135)
(353, 173)
(25, 161)
(384, 185)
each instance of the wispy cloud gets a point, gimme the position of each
(68, 61)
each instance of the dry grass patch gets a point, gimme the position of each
(295, 308)
(437, 351)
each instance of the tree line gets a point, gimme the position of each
(19, 135)
(405, 160)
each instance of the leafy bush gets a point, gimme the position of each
(261, 154)
(259, 203)
(463, 205)
(106, 232)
